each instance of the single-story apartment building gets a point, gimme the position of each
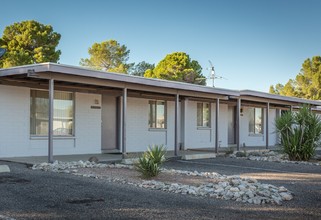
(74, 110)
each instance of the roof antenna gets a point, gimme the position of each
(213, 76)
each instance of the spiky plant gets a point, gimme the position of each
(300, 133)
(150, 162)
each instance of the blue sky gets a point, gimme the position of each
(252, 43)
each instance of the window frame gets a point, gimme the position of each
(200, 124)
(152, 119)
(253, 132)
(72, 135)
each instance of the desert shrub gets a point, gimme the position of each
(241, 154)
(229, 151)
(300, 133)
(150, 162)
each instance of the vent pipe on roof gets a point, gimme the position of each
(32, 73)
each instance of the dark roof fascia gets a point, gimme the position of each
(137, 80)
(85, 72)
(20, 70)
(278, 97)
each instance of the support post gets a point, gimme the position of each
(217, 116)
(291, 108)
(267, 124)
(176, 125)
(278, 115)
(50, 121)
(238, 122)
(124, 116)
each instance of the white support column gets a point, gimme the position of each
(124, 116)
(176, 125)
(217, 116)
(267, 125)
(238, 122)
(50, 120)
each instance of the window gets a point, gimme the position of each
(256, 121)
(203, 114)
(63, 116)
(157, 114)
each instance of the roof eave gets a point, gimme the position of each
(279, 97)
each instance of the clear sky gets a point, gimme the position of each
(252, 43)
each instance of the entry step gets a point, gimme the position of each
(198, 156)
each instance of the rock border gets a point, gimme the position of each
(4, 169)
(270, 156)
(247, 190)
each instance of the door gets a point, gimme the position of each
(109, 123)
(231, 124)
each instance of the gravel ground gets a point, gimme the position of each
(27, 194)
(303, 180)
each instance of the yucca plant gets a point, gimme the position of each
(300, 133)
(150, 162)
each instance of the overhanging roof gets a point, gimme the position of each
(85, 72)
(73, 71)
(269, 96)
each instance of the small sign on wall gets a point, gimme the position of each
(95, 107)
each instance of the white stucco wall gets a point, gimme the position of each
(139, 136)
(14, 121)
(15, 137)
(257, 140)
(88, 123)
(204, 137)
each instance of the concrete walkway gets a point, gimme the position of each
(65, 158)
(104, 158)
(117, 157)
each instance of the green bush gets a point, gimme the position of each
(150, 162)
(229, 151)
(300, 133)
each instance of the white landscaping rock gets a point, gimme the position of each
(224, 187)
(4, 169)
(130, 161)
(59, 166)
(286, 196)
(272, 156)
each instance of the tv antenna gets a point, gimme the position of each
(2, 52)
(213, 75)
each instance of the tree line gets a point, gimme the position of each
(30, 42)
(307, 83)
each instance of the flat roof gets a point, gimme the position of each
(86, 72)
(278, 97)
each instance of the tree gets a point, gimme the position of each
(178, 67)
(140, 68)
(109, 56)
(29, 42)
(278, 88)
(307, 83)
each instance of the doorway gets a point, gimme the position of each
(110, 120)
(231, 124)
